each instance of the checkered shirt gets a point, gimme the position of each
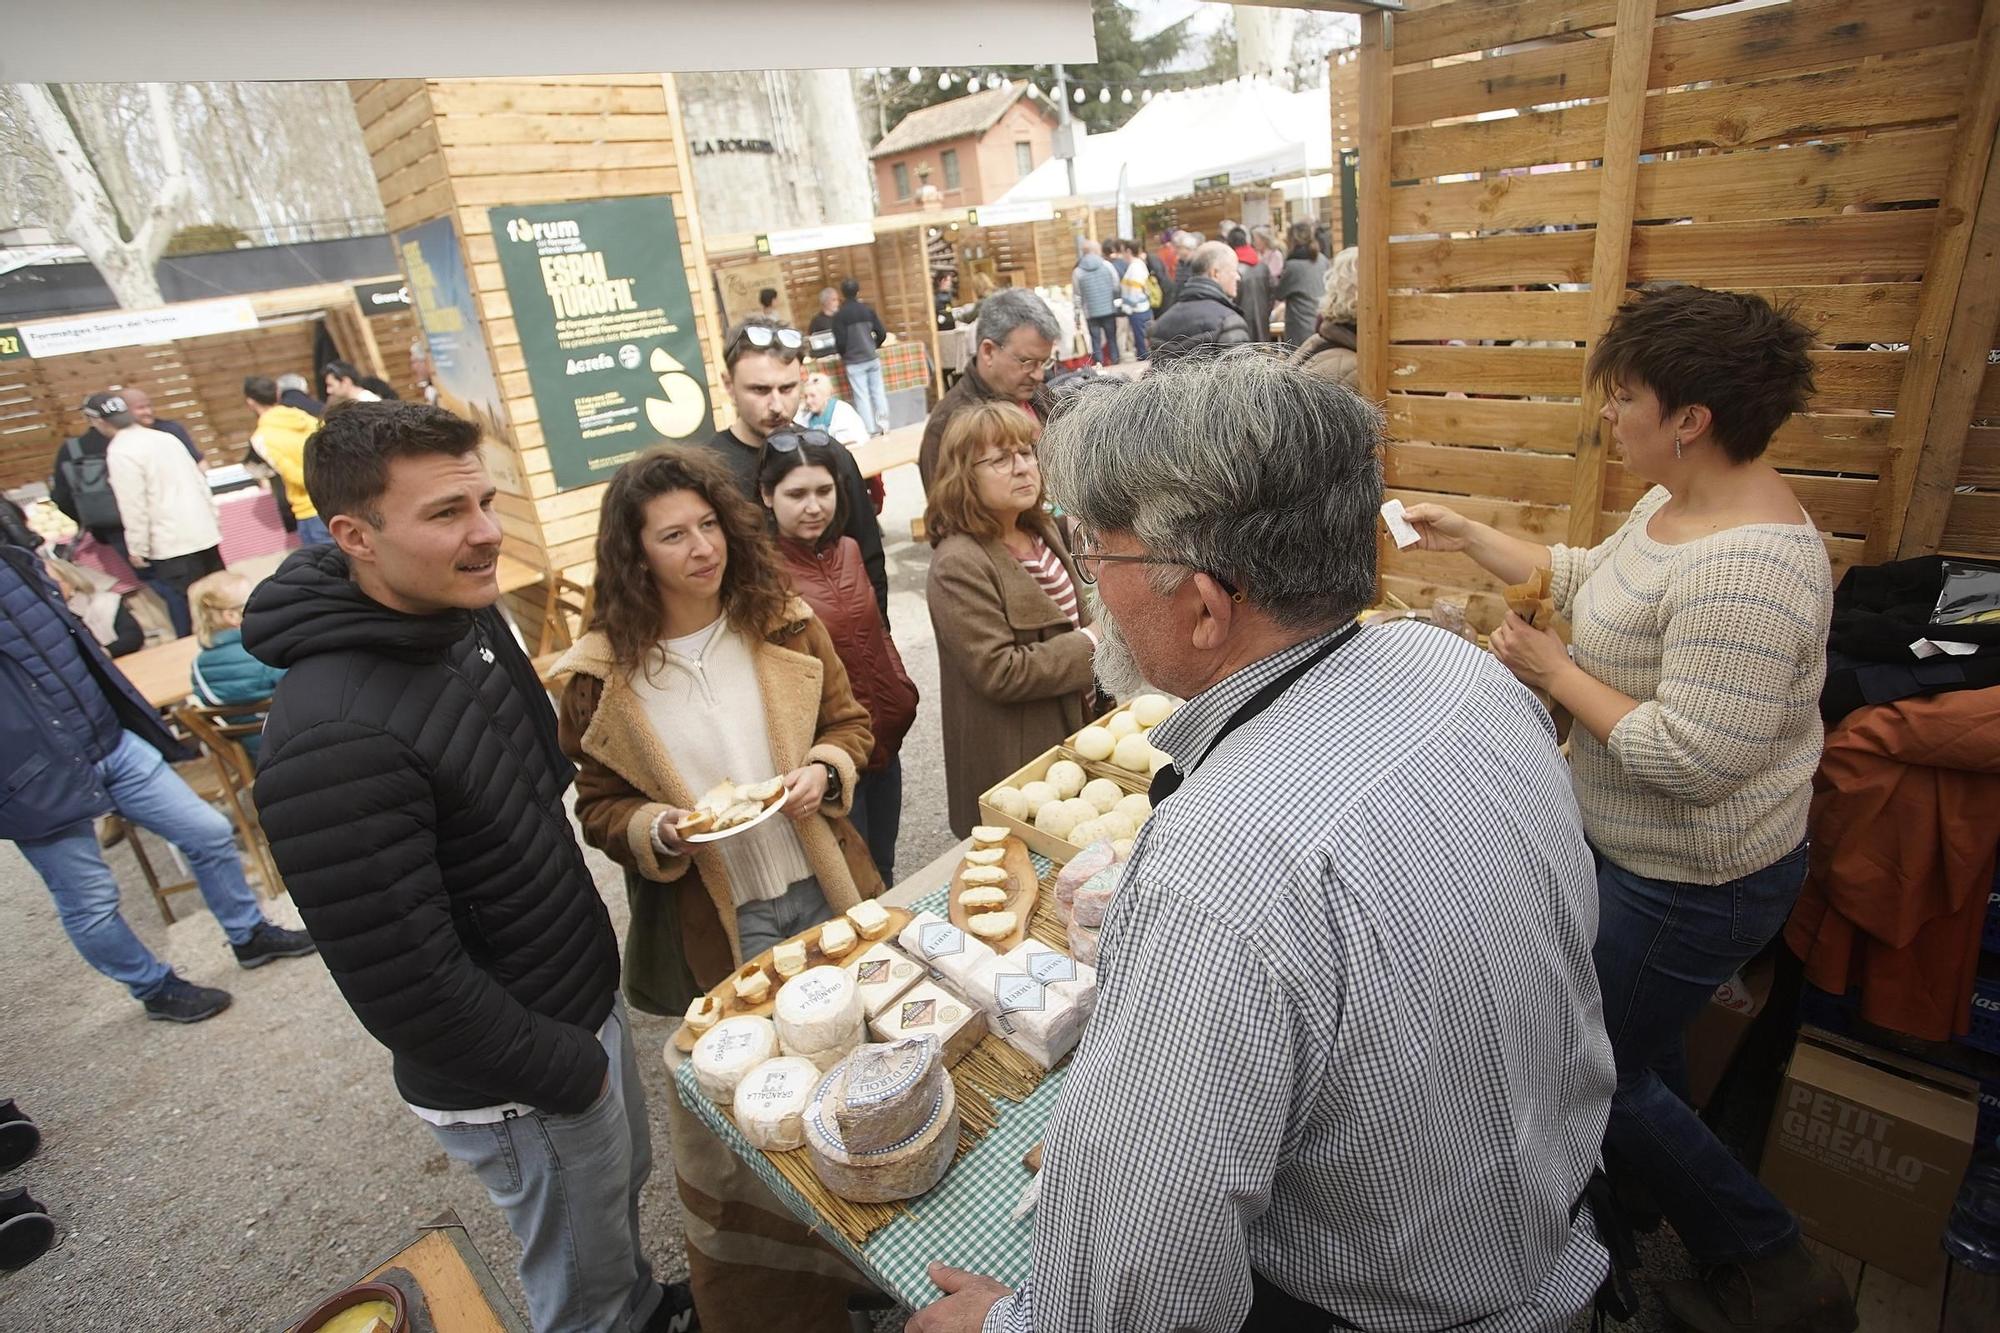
(1348, 1031)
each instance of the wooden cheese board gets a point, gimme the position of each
(1023, 891)
(733, 1007)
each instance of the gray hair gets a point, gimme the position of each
(1241, 466)
(291, 381)
(1342, 303)
(1011, 308)
(1209, 256)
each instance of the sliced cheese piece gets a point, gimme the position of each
(703, 1014)
(992, 925)
(987, 835)
(985, 898)
(728, 1051)
(870, 918)
(836, 938)
(881, 973)
(927, 1007)
(942, 947)
(771, 1103)
(983, 875)
(902, 1170)
(789, 958)
(986, 856)
(752, 984)
(886, 1092)
(818, 1011)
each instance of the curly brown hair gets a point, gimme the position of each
(954, 492)
(755, 590)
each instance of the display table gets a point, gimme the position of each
(459, 1290)
(250, 524)
(164, 673)
(906, 364)
(967, 1220)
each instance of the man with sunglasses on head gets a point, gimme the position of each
(762, 369)
(1016, 343)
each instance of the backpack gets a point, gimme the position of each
(1153, 292)
(90, 488)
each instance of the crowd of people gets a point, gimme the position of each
(1392, 992)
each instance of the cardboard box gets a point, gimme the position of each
(1868, 1148)
(1719, 1029)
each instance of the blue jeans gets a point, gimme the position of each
(877, 814)
(871, 395)
(144, 790)
(769, 921)
(312, 532)
(569, 1186)
(1104, 339)
(1140, 320)
(1662, 949)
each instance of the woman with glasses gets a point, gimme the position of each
(1015, 643)
(804, 501)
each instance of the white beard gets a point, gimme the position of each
(1117, 670)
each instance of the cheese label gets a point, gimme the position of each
(918, 1013)
(1051, 967)
(872, 970)
(878, 1073)
(1014, 993)
(940, 938)
(727, 1040)
(816, 992)
(775, 1087)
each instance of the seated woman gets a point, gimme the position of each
(797, 480)
(1015, 643)
(224, 671)
(1699, 632)
(820, 410)
(701, 667)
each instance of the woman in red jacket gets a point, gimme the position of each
(796, 477)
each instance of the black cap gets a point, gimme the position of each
(101, 405)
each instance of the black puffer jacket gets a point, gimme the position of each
(1201, 316)
(411, 786)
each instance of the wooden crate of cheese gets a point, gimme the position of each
(1055, 840)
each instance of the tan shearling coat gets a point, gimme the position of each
(627, 776)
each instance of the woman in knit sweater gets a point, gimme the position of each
(1699, 632)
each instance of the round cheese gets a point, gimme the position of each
(1134, 753)
(1008, 801)
(988, 835)
(1088, 832)
(728, 1051)
(1039, 794)
(1117, 825)
(902, 1170)
(886, 1091)
(1066, 776)
(1121, 725)
(1161, 759)
(1137, 807)
(1094, 743)
(771, 1103)
(1081, 808)
(1122, 847)
(818, 1010)
(1150, 710)
(1056, 818)
(1103, 794)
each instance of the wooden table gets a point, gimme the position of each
(162, 674)
(458, 1286)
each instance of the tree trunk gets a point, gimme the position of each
(1264, 42)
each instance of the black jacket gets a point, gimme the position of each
(1200, 315)
(858, 331)
(411, 786)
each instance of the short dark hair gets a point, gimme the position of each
(1731, 352)
(348, 457)
(261, 389)
(344, 370)
(1237, 236)
(735, 344)
(777, 464)
(850, 288)
(766, 295)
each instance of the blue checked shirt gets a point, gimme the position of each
(1348, 1030)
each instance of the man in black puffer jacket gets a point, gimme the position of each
(411, 787)
(1205, 313)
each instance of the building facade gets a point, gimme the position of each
(964, 152)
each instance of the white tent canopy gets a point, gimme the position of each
(1246, 129)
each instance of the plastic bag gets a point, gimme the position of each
(1970, 595)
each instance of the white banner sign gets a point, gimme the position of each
(815, 238)
(1001, 215)
(130, 328)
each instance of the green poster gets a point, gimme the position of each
(10, 344)
(601, 300)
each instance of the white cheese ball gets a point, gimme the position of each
(1137, 807)
(1103, 793)
(1134, 753)
(1151, 709)
(1095, 744)
(1089, 831)
(1037, 795)
(1161, 759)
(1009, 801)
(1057, 819)
(1065, 777)
(1117, 827)
(1081, 808)
(1122, 848)
(1121, 725)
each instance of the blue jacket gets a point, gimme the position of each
(56, 684)
(1096, 284)
(226, 673)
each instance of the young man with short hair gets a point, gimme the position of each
(280, 440)
(411, 786)
(860, 334)
(344, 383)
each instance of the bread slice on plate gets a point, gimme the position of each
(764, 793)
(694, 822)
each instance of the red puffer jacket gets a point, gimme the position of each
(835, 584)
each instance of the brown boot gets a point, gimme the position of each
(1787, 1292)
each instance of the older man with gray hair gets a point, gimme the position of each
(1016, 336)
(1205, 313)
(1348, 1066)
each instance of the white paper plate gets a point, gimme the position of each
(744, 827)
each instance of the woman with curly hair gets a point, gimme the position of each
(700, 666)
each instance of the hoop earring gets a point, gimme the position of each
(1677, 444)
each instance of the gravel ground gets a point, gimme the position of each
(228, 1174)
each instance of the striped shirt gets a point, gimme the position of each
(1053, 577)
(1722, 641)
(1348, 1032)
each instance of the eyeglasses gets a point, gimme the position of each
(762, 336)
(1002, 464)
(789, 441)
(1027, 362)
(1086, 556)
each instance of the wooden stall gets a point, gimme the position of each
(452, 149)
(1523, 162)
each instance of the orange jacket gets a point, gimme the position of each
(1905, 821)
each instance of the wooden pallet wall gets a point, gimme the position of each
(1834, 154)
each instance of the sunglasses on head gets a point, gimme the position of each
(763, 335)
(789, 441)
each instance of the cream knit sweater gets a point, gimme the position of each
(1722, 641)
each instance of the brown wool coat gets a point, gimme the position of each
(626, 776)
(1012, 671)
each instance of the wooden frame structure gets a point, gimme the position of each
(1523, 161)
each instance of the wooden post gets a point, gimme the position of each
(1624, 117)
(370, 349)
(1955, 322)
(928, 299)
(1372, 234)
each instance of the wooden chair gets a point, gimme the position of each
(566, 598)
(220, 730)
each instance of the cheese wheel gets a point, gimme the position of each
(992, 925)
(1150, 710)
(902, 1170)
(983, 875)
(985, 856)
(836, 937)
(1039, 794)
(818, 1011)
(1095, 744)
(771, 1102)
(1008, 801)
(1134, 754)
(1138, 807)
(1103, 794)
(728, 1051)
(1121, 725)
(886, 1091)
(1066, 776)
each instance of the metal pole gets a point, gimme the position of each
(1062, 117)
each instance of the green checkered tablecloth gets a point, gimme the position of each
(964, 1222)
